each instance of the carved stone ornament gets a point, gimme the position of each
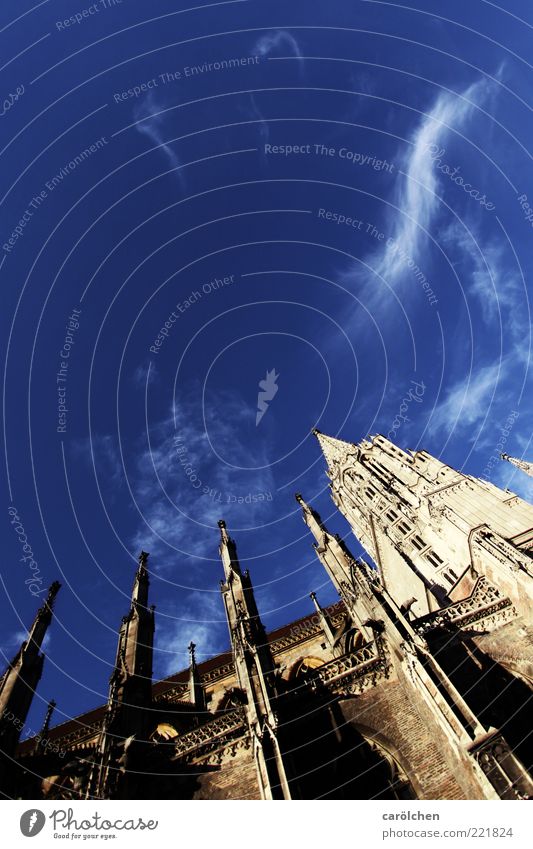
(485, 608)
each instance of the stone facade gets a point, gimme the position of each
(416, 684)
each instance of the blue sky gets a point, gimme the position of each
(336, 192)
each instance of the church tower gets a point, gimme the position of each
(431, 530)
(19, 682)
(453, 576)
(129, 702)
(254, 668)
(392, 653)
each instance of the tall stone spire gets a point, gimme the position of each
(19, 682)
(378, 472)
(430, 529)
(49, 711)
(133, 666)
(520, 464)
(228, 553)
(42, 737)
(254, 667)
(327, 627)
(136, 633)
(336, 563)
(438, 538)
(239, 596)
(130, 686)
(196, 690)
(335, 450)
(386, 631)
(350, 577)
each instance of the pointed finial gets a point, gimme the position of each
(302, 502)
(314, 599)
(196, 690)
(524, 465)
(310, 516)
(49, 711)
(304, 505)
(141, 581)
(228, 552)
(335, 451)
(306, 509)
(53, 590)
(42, 620)
(324, 619)
(46, 610)
(40, 739)
(223, 530)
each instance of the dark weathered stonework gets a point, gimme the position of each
(416, 684)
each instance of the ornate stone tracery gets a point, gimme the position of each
(485, 608)
(215, 732)
(389, 654)
(355, 672)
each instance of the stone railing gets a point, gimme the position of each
(485, 604)
(301, 631)
(173, 694)
(220, 672)
(216, 730)
(355, 672)
(80, 735)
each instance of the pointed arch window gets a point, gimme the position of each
(434, 559)
(304, 666)
(418, 542)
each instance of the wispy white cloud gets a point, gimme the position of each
(183, 487)
(141, 373)
(264, 127)
(180, 486)
(417, 193)
(199, 618)
(102, 449)
(274, 41)
(12, 642)
(151, 124)
(493, 280)
(265, 46)
(467, 400)
(364, 82)
(495, 294)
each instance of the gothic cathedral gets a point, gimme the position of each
(416, 684)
